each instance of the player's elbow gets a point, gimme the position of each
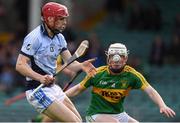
(18, 66)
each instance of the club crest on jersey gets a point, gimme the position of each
(28, 47)
(123, 83)
(52, 47)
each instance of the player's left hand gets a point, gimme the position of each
(89, 68)
(167, 111)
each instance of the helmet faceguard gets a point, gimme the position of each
(54, 10)
(117, 55)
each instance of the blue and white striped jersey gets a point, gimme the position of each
(43, 50)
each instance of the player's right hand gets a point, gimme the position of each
(167, 111)
(89, 68)
(47, 79)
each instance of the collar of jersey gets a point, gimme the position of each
(44, 31)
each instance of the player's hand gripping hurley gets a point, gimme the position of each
(79, 52)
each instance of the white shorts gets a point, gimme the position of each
(43, 98)
(121, 117)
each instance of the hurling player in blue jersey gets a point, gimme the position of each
(37, 61)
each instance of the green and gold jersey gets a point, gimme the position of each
(109, 91)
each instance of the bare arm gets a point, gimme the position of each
(66, 71)
(23, 68)
(156, 98)
(74, 91)
(86, 66)
(75, 66)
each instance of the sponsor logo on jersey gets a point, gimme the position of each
(111, 95)
(102, 82)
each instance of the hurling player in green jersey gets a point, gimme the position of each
(112, 84)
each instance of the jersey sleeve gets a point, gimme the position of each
(30, 46)
(63, 42)
(140, 82)
(86, 82)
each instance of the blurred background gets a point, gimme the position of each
(149, 28)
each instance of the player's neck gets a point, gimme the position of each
(50, 33)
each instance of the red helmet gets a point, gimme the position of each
(52, 9)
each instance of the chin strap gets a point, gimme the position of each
(55, 31)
